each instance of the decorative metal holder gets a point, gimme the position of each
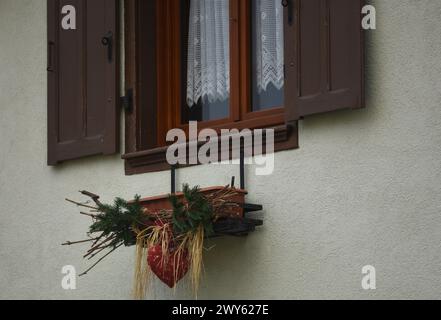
(232, 226)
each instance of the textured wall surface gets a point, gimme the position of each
(364, 188)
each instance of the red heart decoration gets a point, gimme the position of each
(168, 269)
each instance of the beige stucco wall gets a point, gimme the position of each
(364, 188)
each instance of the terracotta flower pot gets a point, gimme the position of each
(158, 203)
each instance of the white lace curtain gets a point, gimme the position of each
(269, 44)
(208, 69)
(208, 75)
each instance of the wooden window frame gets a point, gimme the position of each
(146, 124)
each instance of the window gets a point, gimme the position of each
(223, 68)
(224, 63)
(206, 59)
(231, 61)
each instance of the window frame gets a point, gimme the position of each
(146, 124)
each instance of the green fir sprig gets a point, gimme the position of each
(191, 211)
(117, 220)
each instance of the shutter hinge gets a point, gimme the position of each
(127, 101)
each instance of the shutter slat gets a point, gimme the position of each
(82, 82)
(324, 57)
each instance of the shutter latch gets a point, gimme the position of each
(127, 101)
(107, 41)
(288, 4)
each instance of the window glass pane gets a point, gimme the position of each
(267, 54)
(206, 60)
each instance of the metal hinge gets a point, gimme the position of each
(127, 101)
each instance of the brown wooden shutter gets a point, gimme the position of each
(324, 56)
(82, 81)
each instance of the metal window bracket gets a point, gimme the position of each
(242, 174)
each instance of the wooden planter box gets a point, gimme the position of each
(236, 224)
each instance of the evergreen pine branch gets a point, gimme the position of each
(192, 211)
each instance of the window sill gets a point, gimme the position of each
(154, 160)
